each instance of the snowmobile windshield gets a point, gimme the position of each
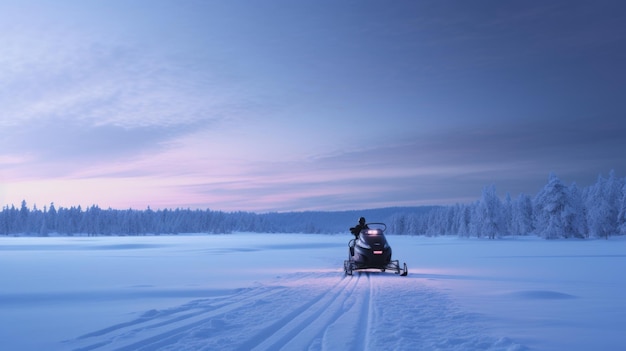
(380, 227)
(372, 238)
(371, 232)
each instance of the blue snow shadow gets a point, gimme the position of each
(293, 246)
(541, 295)
(124, 247)
(135, 293)
(80, 247)
(559, 256)
(300, 246)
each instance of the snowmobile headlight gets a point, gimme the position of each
(372, 232)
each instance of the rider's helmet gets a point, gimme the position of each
(362, 220)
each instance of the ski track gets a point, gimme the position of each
(308, 311)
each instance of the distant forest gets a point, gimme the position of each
(556, 211)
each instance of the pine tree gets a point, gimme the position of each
(554, 210)
(602, 205)
(23, 219)
(489, 219)
(522, 215)
(462, 219)
(621, 216)
(578, 221)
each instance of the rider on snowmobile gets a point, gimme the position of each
(356, 230)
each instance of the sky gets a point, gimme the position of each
(284, 105)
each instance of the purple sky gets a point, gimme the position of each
(306, 105)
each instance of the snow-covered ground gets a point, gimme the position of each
(271, 291)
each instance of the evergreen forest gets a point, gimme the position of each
(556, 211)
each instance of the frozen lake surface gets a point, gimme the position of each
(272, 291)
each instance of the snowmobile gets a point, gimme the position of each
(370, 250)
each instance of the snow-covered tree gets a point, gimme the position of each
(434, 225)
(578, 221)
(507, 213)
(554, 210)
(488, 216)
(23, 219)
(397, 224)
(621, 215)
(51, 218)
(462, 219)
(602, 205)
(522, 215)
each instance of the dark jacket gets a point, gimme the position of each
(356, 230)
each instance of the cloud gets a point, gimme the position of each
(61, 147)
(449, 166)
(445, 166)
(74, 96)
(113, 85)
(245, 108)
(56, 66)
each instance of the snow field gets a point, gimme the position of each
(279, 291)
(310, 311)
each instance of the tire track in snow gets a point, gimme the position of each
(321, 311)
(349, 327)
(367, 313)
(159, 329)
(300, 328)
(155, 326)
(347, 305)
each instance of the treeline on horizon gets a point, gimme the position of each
(556, 211)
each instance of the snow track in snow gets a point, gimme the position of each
(307, 311)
